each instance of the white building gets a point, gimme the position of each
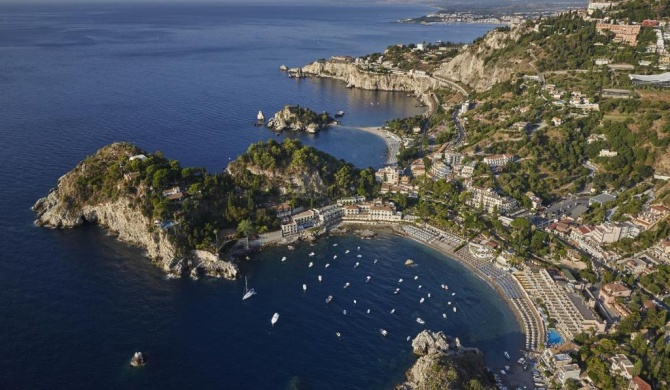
(498, 160)
(440, 170)
(607, 153)
(388, 175)
(489, 199)
(453, 158)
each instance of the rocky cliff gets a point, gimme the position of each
(419, 84)
(76, 200)
(445, 364)
(485, 63)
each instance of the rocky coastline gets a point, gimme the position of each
(444, 363)
(69, 205)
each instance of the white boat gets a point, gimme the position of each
(383, 332)
(346, 285)
(400, 280)
(368, 311)
(444, 315)
(329, 299)
(344, 312)
(416, 277)
(397, 290)
(248, 293)
(354, 301)
(420, 286)
(334, 257)
(359, 248)
(449, 303)
(138, 360)
(347, 251)
(428, 295)
(339, 114)
(290, 247)
(367, 280)
(419, 320)
(359, 255)
(508, 369)
(304, 288)
(454, 309)
(507, 355)
(375, 262)
(320, 278)
(408, 338)
(327, 265)
(392, 311)
(274, 319)
(311, 254)
(311, 264)
(338, 334)
(260, 116)
(503, 372)
(334, 244)
(283, 258)
(421, 300)
(357, 264)
(452, 294)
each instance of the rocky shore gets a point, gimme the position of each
(444, 363)
(72, 204)
(301, 119)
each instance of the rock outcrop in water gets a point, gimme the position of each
(296, 118)
(445, 364)
(97, 192)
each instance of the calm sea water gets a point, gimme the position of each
(188, 80)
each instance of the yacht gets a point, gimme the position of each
(507, 355)
(329, 299)
(420, 321)
(357, 264)
(320, 278)
(274, 319)
(367, 279)
(383, 332)
(346, 285)
(311, 254)
(421, 300)
(304, 288)
(311, 264)
(248, 293)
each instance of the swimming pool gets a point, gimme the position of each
(553, 337)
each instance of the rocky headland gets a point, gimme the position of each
(444, 364)
(98, 191)
(296, 118)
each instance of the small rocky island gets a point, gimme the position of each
(445, 364)
(296, 118)
(187, 219)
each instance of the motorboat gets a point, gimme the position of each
(374, 262)
(507, 355)
(449, 303)
(416, 277)
(347, 251)
(359, 256)
(420, 321)
(421, 300)
(397, 290)
(357, 264)
(138, 359)
(383, 332)
(454, 309)
(368, 312)
(420, 286)
(354, 301)
(311, 254)
(311, 264)
(320, 278)
(334, 244)
(274, 319)
(329, 299)
(283, 258)
(334, 257)
(304, 288)
(400, 280)
(367, 279)
(428, 295)
(444, 315)
(347, 284)
(327, 265)
(344, 312)
(392, 311)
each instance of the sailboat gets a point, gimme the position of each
(274, 319)
(248, 293)
(260, 117)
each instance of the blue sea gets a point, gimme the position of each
(188, 80)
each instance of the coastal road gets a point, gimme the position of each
(460, 131)
(451, 84)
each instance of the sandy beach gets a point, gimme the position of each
(517, 377)
(392, 142)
